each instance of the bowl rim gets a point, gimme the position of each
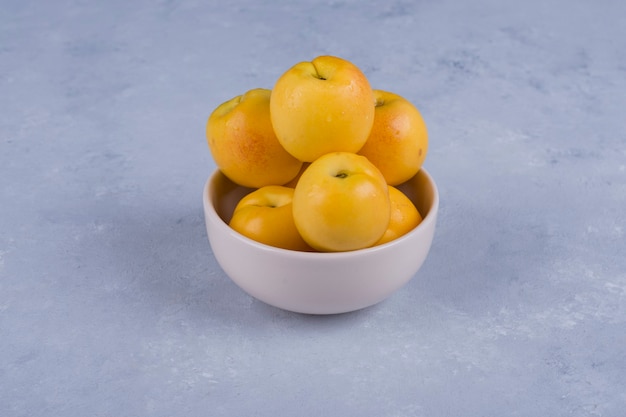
(212, 212)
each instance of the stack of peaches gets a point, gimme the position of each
(322, 154)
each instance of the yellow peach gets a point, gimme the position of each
(341, 203)
(244, 145)
(404, 216)
(266, 215)
(322, 106)
(398, 141)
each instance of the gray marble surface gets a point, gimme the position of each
(112, 304)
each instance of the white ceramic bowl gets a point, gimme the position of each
(311, 282)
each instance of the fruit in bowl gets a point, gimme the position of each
(322, 106)
(398, 141)
(318, 282)
(341, 202)
(265, 211)
(320, 188)
(243, 143)
(403, 216)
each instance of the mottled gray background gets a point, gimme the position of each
(112, 305)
